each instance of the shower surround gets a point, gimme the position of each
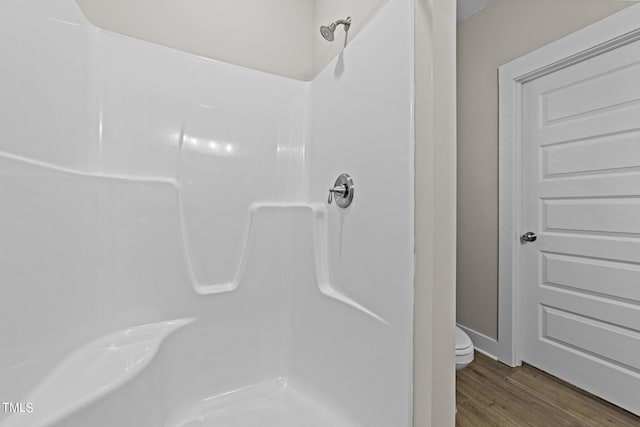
(168, 257)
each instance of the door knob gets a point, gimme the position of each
(529, 236)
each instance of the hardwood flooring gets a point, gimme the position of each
(489, 393)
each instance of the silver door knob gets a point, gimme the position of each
(529, 236)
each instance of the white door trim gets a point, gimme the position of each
(613, 32)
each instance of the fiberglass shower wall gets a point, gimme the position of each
(142, 185)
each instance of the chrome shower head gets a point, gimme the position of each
(328, 31)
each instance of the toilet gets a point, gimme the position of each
(464, 349)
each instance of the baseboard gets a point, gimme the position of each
(482, 343)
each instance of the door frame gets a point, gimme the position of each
(617, 30)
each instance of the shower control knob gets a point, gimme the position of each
(342, 191)
(528, 237)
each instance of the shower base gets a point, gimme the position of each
(271, 404)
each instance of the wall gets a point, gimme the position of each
(504, 30)
(48, 116)
(273, 36)
(276, 36)
(166, 113)
(435, 178)
(364, 128)
(110, 144)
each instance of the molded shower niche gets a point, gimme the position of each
(168, 257)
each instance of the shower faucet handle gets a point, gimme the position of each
(342, 191)
(339, 189)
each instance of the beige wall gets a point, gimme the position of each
(503, 31)
(276, 36)
(272, 36)
(435, 184)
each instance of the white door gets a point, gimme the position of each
(581, 196)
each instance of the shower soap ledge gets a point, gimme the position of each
(93, 371)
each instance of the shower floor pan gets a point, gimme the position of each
(270, 404)
(102, 366)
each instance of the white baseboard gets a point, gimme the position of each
(482, 343)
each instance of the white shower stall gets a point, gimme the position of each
(168, 257)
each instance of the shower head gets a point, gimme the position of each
(328, 31)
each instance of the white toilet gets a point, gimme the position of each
(464, 349)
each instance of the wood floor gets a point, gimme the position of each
(492, 394)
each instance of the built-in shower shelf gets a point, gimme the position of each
(318, 217)
(273, 403)
(94, 370)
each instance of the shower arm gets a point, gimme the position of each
(345, 22)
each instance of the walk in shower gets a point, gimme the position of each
(168, 255)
